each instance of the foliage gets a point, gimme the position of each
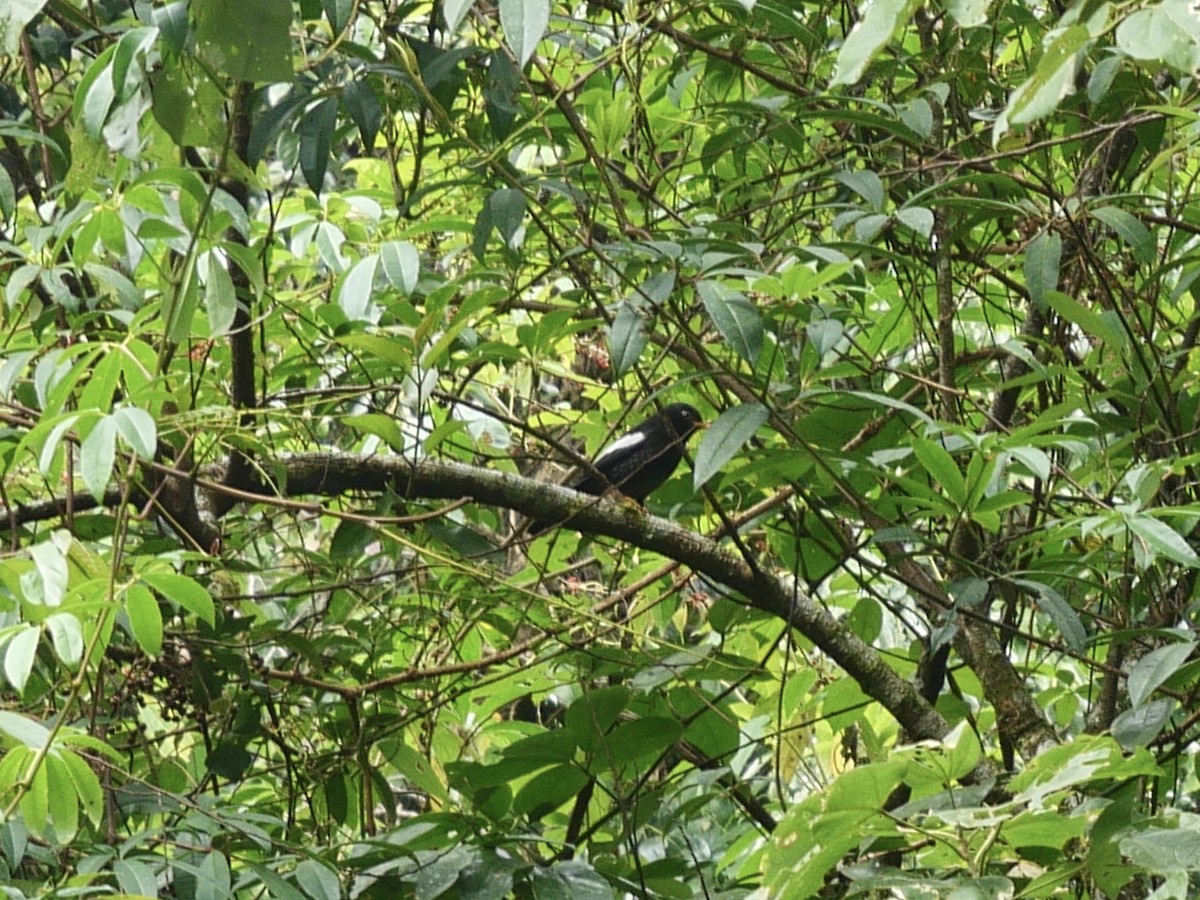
(304, 301)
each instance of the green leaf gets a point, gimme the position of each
(316, 140)
(1138, 726)
(137, 428)
(735, 317)
(35, 803)
(356, 288)
(33, 735)
(318, 882)
(1042, 259)
(361, 104)
(545, 747)
(968, 13)
(213, 880)
(8, 194)
(1163, 539)
(1035, 460)
(626, 337)
(1062, 614)
(135, 878)
(95, 95)
(185, 592)
(590, 717)
(51, 571)
(401, 265)
(97, 454)
(19, 655)
(943, 471)
(381, 426)
(638, 740)
(338, 13)
(14, 16)
(246, 41)
(1052, 81)
(1165, 34)
(879, 24)
(98, 391)
(63, 804)
(725, 437)
(524, 23)
(145, 619)
(454, 12)
(1165, 852)
(1097, 325)
(1149, 672)
(570, 880)
(918, 218)
(867, 185)
(67, 636)
(86, 784)
(1131, 231)
(220, 298)
(506, 208)
(548, 790)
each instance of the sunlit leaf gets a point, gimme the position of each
(97, 455)
(137, 428)
(878, 25)
(145, 619)
(524, 22)
(19, 654)
(183, 591)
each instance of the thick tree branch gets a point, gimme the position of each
(781, 596)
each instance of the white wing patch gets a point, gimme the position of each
(624, 442)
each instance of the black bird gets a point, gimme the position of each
(639, 461)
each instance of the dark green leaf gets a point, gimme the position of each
(362, 106)
(626, 337)
(725, 437)
(590, 717)
(1163, 539)
(1101, 325)
(943, 470)
(507, 207)
(548, 790)
(1139, 726)
(1042, 265)
(735, 317)
(1131, 230)
(246, 41)
(1149, 672)
(316, 139)
(637, 741)
(1061, 613)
